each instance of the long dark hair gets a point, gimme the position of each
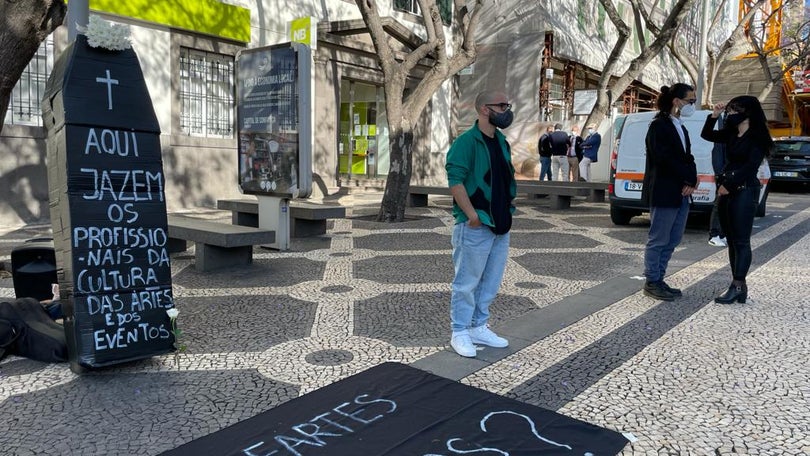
(757, 123)
(668, 96)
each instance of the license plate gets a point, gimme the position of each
(785, 174)
(633, 186)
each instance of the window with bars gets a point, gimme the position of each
(24, 107)
(412, 6)
(206, 94)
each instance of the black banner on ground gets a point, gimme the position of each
(108, 209)
(394, 410)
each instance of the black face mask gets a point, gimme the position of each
(732, 120)
(501, 119)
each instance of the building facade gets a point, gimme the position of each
(188, 51)
(548, 57)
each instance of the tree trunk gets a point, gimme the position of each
(26, 25)
(392, 208)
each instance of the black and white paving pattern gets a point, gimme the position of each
(683, 377)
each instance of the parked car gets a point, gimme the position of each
(790, 161)
(628, 164)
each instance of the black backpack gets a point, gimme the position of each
(27, 330)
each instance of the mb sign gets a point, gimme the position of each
(304, 30)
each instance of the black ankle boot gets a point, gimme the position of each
(735, 293)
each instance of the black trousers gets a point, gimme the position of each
(714, 221)
(736, 212)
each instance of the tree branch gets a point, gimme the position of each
(638, 10)
(445, 66)
(371, 16)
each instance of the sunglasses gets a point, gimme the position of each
(691, 101)
(503, 106)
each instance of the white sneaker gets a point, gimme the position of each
(718, 241)
(462, 344)
(484, 336)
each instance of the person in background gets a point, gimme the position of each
(716, 236)
(559, 151)
(574, 154)
(747, 142)
(670, 179)
(590, 152)
(544, 147)
(482, 181)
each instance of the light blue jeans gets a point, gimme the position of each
(667, 225)
(479, 258)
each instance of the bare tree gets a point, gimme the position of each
(610, 89)
(716, 53)
(793, 50)
(404, 108)
(25, 25)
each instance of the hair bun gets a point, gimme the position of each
(664, 89)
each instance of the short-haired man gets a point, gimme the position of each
(590, 152)
(482, 181)
(559, 151)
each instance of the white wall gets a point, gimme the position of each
(153, 47)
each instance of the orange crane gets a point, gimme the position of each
(770, 16)
(796, 101)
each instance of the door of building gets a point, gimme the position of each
(363, 146)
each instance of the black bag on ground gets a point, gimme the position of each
(27, 330)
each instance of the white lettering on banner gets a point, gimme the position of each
(130, 183)
(110, 142)
(122, 337)
(109, 257)
(140, 301)
(312, 432)
(111, 280)
(452, 447)
(118, 236)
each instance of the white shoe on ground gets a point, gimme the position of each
(462, 344)
(718, 241)
(484, 336)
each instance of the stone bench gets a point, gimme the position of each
(597, 190)
(306, 219)
(418, 194)
(559, 192)
(217, 245)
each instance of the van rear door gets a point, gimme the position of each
(631, 157)
(702, 151)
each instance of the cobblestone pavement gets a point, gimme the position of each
(686, 377)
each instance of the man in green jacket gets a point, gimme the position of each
(482, 180)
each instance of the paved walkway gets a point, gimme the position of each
(688, 377)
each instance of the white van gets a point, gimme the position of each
(628, 160)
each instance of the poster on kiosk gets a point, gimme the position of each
(274, 119)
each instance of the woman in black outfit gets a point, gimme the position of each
(748, 142)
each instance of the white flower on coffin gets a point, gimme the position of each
(106, 35)
(179, 347)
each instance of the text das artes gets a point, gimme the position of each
(139, 301)
(345, 419)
